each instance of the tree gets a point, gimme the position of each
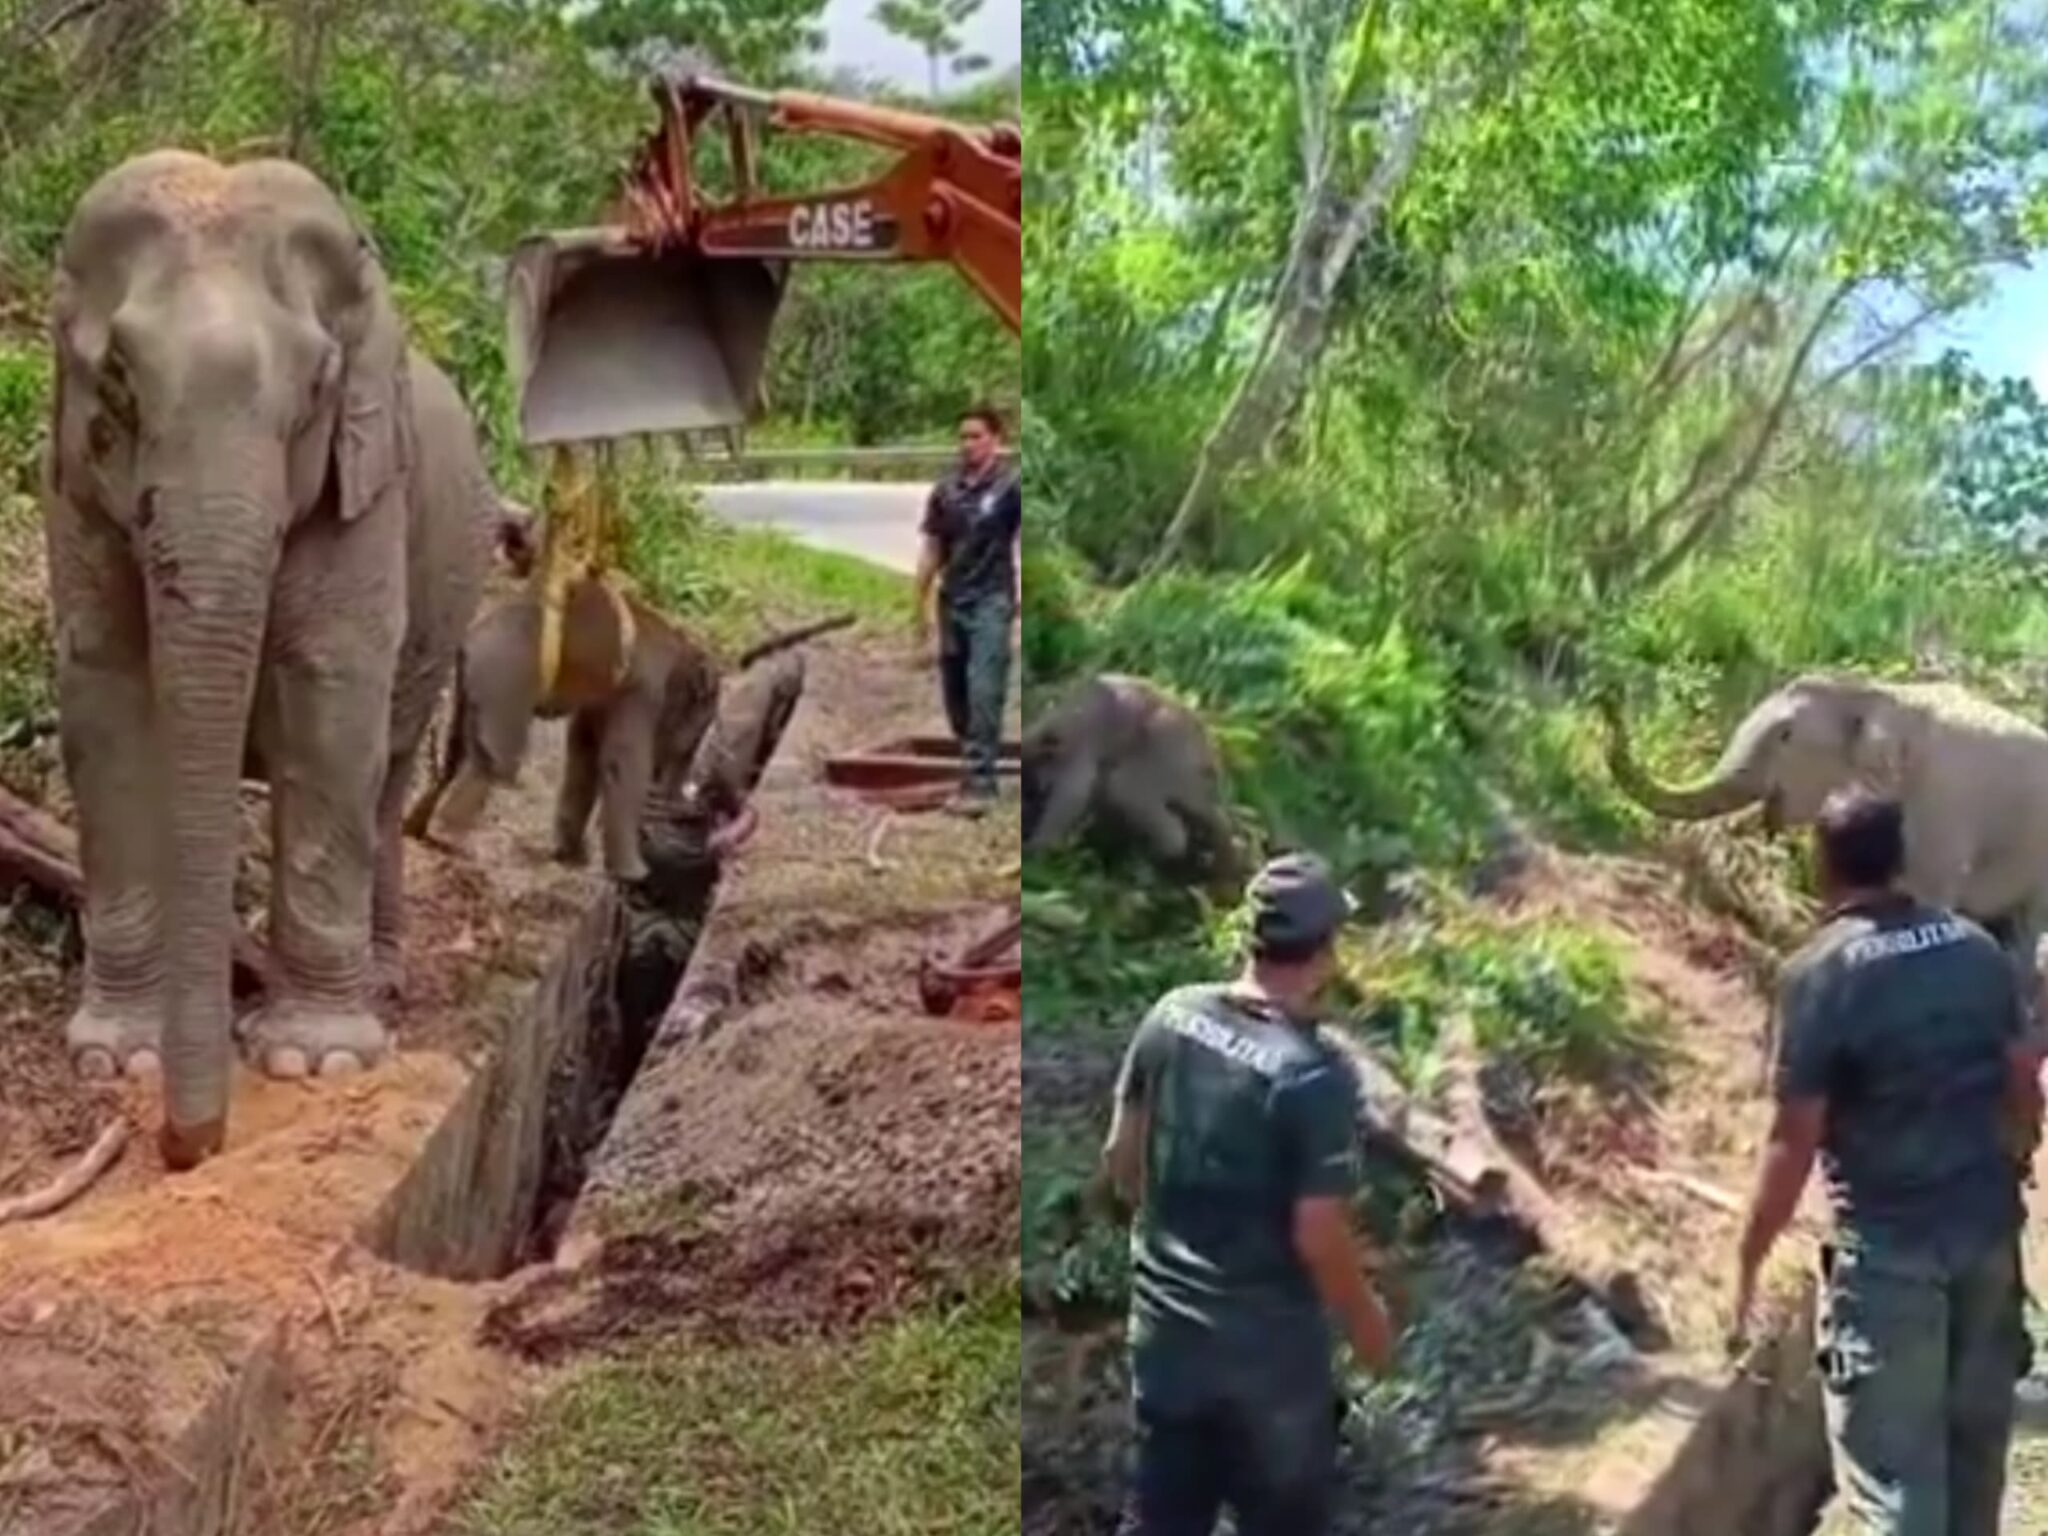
(1588, 262)
(1991, 451)
(761, 41)
(934, 27)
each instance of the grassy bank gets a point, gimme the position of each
(912, 1429)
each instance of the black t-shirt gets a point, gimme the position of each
(1900, 1016)
(975, 519)
(1250, 1112)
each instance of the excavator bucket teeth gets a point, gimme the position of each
(609, 339)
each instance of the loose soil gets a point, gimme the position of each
(480, 928)
(828, 1158)
(1492, 1431)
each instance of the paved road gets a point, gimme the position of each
(877, 522)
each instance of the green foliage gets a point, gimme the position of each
(934, 26)
(455, 128)
(1548, 995)
(1609, 396)
(1338, 726)
(1993, 452)
(868, 1437)
(1076, 1255)
(24, 397)
(756, 43)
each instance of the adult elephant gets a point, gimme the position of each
(1972, 779)
(268, 527)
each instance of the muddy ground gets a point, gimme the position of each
(1513, 1398)
(829, 1158)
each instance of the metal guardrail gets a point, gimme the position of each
(892, 463)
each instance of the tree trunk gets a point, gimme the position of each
(40, 852)
(1332, 227)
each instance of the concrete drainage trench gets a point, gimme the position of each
(495, 1186)
(484, 1162)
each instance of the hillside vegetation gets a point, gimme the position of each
(1404, 378)
(453, 128)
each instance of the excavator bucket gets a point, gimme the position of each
(610, 339)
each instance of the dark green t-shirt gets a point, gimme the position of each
(1249, 1113)
(1901, 1017)
(976, 521)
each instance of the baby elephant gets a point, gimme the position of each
(639, 690)
(1119, 751)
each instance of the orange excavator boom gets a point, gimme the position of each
(660, 320)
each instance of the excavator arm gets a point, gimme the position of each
(659, 321)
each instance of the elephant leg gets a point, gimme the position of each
(1194, 795)
(324, 707)
(577, 797)
(1135, 801)
(626, 759)
(496, 696)
(387, 896)
(689, 710)
(1067, 802)
(419, 821)
(110, 756)
(422, 677)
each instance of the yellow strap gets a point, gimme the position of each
(582, 540)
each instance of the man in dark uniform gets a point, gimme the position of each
(1907, 1062)
(1235, 1137)
(972, 526)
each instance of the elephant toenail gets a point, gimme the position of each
(144, 1065)
(287, 1061)
(96, 1065)
(340, 1064)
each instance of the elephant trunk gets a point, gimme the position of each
(1729, 788)
(209, 561)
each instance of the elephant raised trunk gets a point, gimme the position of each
(1734, 783)
(208, 561)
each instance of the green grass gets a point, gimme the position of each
(771, 569)
(741, 583)
(909, 1431)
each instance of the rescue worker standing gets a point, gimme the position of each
(1905, 1060)
(1234, 1135)
(973, 524)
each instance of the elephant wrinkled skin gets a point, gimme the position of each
(639, 691)
(268, 527)
(1971, 778)
(1118, 752)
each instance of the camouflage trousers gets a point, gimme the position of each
(1919, 1361)
(974, 673)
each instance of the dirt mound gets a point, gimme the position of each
(792, 1279)
(830, 1165)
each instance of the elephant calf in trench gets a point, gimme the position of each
(268, 529)
(640, 692)
(1120, 754)
(1971, 778)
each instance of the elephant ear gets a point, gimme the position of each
(1880, 747)
(373, 433)
(66, 447)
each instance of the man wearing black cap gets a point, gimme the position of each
(1907, 1063)
(1235, 1137)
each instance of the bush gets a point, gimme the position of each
(1342, 729)
(1547, 995)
